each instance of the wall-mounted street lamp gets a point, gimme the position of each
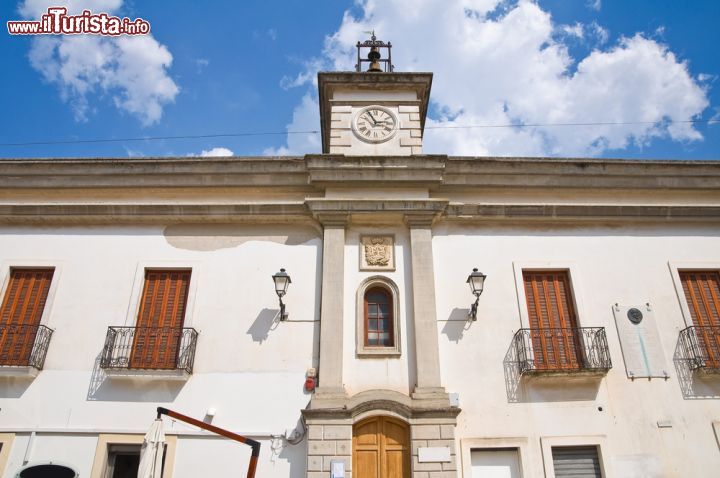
(282, 281)
(477, 281)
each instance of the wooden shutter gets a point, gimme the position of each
(381, 449)
(20, 313)
(702, 292)
(576, 462)
(160, 319)
(553, 325)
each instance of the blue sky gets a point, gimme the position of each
(249, 67)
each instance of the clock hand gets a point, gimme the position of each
(372, 118)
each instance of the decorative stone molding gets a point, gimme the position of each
(300, 174)
(395, 403)
(333, 220)
(377, 252)
(360, 348)
(592, 212)
(419, 220)
(330, 424)
(333, 169)
(153, 213)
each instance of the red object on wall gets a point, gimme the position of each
(310, 384)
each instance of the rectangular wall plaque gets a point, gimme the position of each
(640, 341)
(434, 454)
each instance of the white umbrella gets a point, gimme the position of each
(151, 454)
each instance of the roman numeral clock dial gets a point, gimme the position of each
(375, 124)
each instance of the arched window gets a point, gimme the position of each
(378, 331)
(378, 318)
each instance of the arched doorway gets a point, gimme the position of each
(381, 448)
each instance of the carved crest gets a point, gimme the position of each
(377, 253)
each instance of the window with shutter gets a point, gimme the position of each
(553, 324)
(576, 462)
(20, 313)
(702, 292)
(160, 319)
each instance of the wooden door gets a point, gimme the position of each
(553, 323)
(702, 292)
(160, 319)
(381, 448)
(20, 313)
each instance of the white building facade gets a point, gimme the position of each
(129, 284)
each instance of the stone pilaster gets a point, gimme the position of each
(427, 355)
(433, 433)
(330, 381)
(327, 441)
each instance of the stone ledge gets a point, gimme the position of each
(584, 211)
(434, 413)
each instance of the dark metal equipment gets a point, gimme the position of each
(219, 431)
(149, 348)
(24, 345)
(282, 281)
(374, 57)
(476, 280)
(565, 350)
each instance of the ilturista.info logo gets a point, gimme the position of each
(57, 22)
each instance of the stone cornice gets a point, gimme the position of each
(373, 400)
(339, 212)
(286, 172)
(292, 178)
(336, 170)
(469, 172)
(314, 172)
(359, 206)
(639, 213)
(153, 213)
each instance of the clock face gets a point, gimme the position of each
(375, 124)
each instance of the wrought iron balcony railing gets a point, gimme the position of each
(24, 345)
(149, 348)
(569, 350)
(700, 346)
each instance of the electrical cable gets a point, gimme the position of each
(275, 133)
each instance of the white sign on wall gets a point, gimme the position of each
(640, 341)
(434, 454)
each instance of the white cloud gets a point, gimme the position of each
(599, 32)
(497, 62)
(306, 117)
(131, 70)
(594, 4)
(573, 30)
(214, 152)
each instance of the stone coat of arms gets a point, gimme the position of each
(377, 253)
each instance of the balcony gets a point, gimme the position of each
(700, 347)
(149, 352)
(569, 351)
(23, 349)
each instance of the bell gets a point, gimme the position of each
(374, 56)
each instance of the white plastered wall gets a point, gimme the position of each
(247, 366)
(626, 265)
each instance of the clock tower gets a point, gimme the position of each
(374, 112)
